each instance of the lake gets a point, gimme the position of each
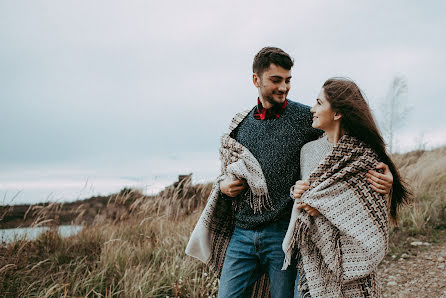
(9, 235)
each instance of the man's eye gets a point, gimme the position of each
(287, 81)
(276, 81)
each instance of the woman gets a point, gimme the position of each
(339, 228)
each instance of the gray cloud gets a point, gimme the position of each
(131, 80)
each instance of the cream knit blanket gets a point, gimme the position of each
(212, 233)
(341, 248)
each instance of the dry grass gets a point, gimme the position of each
(425, 172)
(142, 256)
(140, 253)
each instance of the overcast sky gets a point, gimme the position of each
(103, 94)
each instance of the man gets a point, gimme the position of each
(274, 131)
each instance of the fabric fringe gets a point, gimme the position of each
(301, 238)
(303, 283)
(338, 273)
(370, 286)
(301, 233)
(259, 203)
(328, 276)
(238, 163)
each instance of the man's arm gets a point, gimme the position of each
(381, 183)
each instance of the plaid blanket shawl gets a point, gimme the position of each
(214, 229)
(341, 248)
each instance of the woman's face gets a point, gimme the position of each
(323, 115)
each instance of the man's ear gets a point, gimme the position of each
(256, 80)
(337, 116)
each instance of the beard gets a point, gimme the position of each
(269, 97)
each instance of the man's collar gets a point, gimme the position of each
(273, 113)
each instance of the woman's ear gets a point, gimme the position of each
(337, 116)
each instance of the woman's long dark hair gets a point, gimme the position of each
(347, 99)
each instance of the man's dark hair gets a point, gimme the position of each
(269, 55)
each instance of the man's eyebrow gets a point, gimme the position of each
(279, 77)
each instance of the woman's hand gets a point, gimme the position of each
(381, 183)
(299, 188)
(310, 210)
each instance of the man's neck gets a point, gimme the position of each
(265, 104)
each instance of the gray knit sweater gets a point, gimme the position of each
(276, 144)
(312, 154)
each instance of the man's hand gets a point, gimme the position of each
(231, 187)
(300, 187)
(310, 210)
(381, 183)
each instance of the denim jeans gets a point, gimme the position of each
(251, 253)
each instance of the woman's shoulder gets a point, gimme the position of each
(317, 145)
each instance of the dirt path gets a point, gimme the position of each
(422, 273)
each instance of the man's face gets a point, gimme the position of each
(274, 84)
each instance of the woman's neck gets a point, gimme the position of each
(334, 134)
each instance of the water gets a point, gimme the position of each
(9, 235)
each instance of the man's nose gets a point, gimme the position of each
(282, 87)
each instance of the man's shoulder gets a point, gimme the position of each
(302, 119)
(242, 114)
(238, 118)
(297, 106)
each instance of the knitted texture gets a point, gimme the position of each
(238, 163)
(341, 248)
(312, 154)
(211, 235)
(276, 144)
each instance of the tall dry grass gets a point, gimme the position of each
(142, 256)
(425, 172)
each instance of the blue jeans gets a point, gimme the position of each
(251, 253)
